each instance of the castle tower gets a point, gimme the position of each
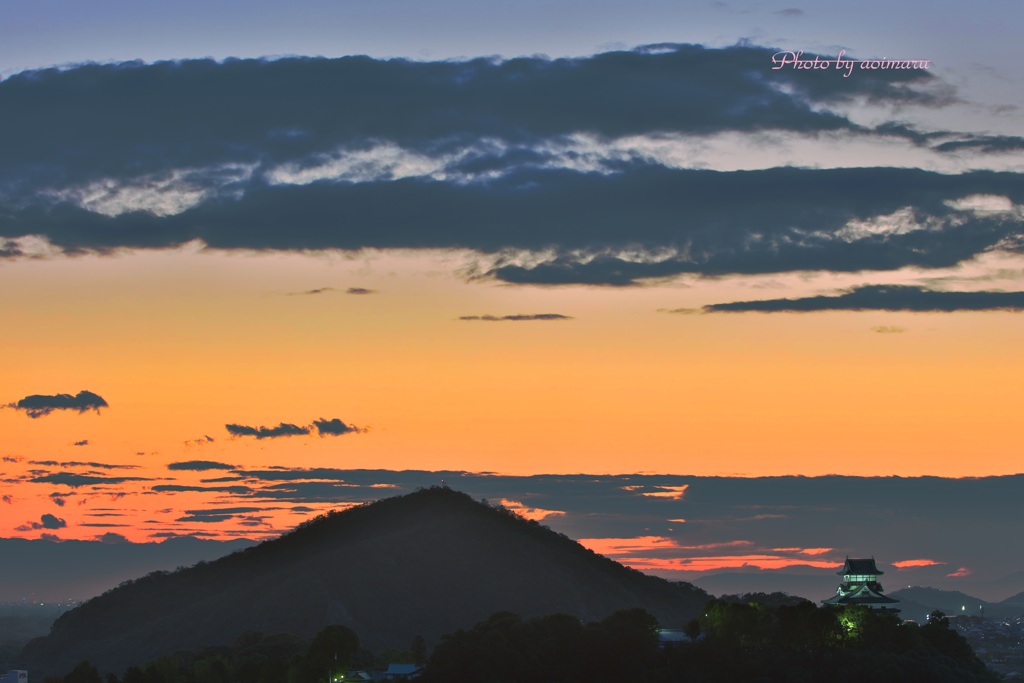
(860, 586)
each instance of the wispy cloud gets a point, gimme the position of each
(199, 465)
(911, 564)
(283, 429)
(180, 488)
(79, 463)
(76, 480)
(313, 292)
(516, 317)
(883, 298)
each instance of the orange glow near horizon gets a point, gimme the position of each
(714, 562)
(624, 546)
(535, 514)
(907, 564)
(804, 551)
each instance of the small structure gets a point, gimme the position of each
(14, 676)
(402, 672)
(860, 586)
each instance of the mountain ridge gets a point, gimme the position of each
(426, 563)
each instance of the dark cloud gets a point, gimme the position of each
(38, 405)
(76, 480)
(610, 229)
(141, 117)
(10, 501)
(83, 442)
(504, 191)
(884, 298)
(790, 12)
(59, 498)
(360, 290)
(177, 488)
(533, 316)
(888, 329)
(317, 492)
(200, 442)
(289, 474)
(9, 249)
(283, 429)
(254, 521)
(199, 465)
(984, 143)
(112, 538)
(334, 427)
(323, 427)
(215, 515)
(199, 518)
(47, 521)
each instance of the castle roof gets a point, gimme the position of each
(860, 566)
(863, 595)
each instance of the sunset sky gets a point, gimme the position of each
(518, 238)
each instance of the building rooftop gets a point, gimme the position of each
(863, 595)
(860, 566)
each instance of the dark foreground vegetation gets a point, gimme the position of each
(732, 641)
(253, 658)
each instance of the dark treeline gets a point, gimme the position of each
(732, 641)
(253, 658)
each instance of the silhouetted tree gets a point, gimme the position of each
(330, 653)
(83, 673)
(419, 650)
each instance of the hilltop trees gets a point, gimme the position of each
(557, 647)
(733, 641)
(751, 641)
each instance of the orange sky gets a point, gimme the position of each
(182, 343)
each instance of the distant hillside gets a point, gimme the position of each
(425, 564)
(815, 585)
(917, 603)
(51, 571)
(1016, 600)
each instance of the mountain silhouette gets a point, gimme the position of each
(917, 602)
(426, 563)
